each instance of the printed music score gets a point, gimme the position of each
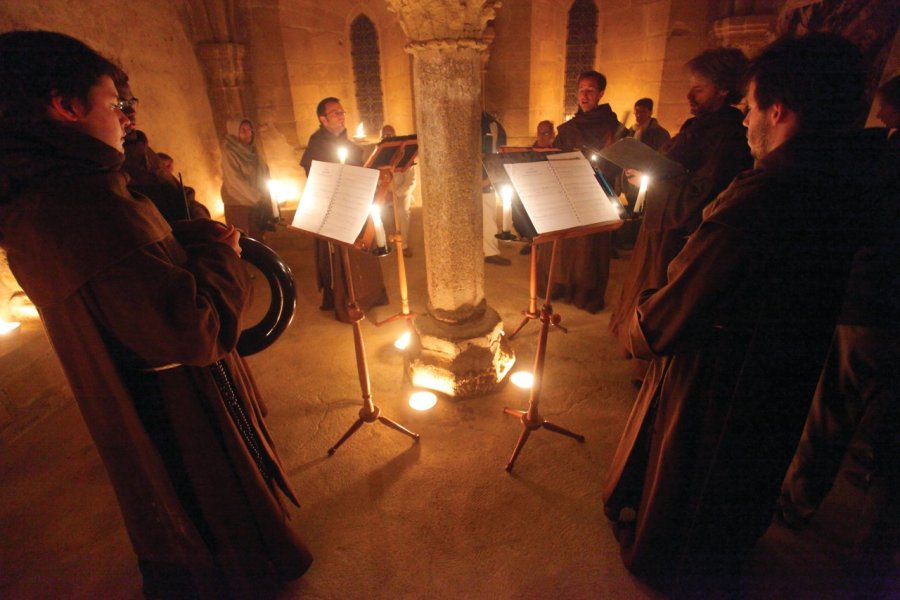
(561, 192)
(336, 201)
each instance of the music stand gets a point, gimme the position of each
(335, 204)
(531, 418)
(564, 200)
(395, 155)
(369, 413)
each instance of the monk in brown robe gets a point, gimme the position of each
(582, 265)
(368, 281)
(146, 172)
(737, 335)
(712, 147)
(144, 321)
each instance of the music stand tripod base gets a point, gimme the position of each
(369, 413)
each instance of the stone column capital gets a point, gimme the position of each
(444, 22)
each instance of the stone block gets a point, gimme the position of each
(465, 359)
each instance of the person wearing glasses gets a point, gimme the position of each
(144, 318)
(146, 172)
(368, 283)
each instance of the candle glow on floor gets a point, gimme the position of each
(522, 379)
(402, 342)
(8, 326)
(422, 400)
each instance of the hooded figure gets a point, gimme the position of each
(245, 195)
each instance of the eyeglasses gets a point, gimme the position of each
(124, 105)
(337, 113)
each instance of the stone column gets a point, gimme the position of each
(223, 63)
(462, 347)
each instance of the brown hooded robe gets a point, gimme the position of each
(119, 295)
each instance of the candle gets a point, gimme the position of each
(360, 132)
(380, 237)
(342, 154)
(642, 193)
(506, 193)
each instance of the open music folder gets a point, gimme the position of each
(336, 201)
(561, 192)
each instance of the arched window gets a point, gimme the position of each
(367, 73)
(581, 46)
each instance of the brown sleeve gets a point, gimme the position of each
(713, 263)
(187, 313)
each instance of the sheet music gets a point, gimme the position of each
(561, 192)
(336, 201)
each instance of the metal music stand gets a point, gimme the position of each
(531, 419)
(395, 155)
(369, 413)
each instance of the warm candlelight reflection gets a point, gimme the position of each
(360, 132)
(8, 326)
(522, 379)
(342, 154)
(422, 400)
(402, 342)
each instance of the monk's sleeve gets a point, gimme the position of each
(683, 312)
(187, 313)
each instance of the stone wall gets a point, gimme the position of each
(316, 38)
(149, 40)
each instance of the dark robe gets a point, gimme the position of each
(368, 281)
(737, 337)
(137, 315)
(147, 177)
(582, 263)
(858, 394)
(713, 148)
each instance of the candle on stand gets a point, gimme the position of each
(342, 154)
(642, 193)
(506, 193)
(380, 237)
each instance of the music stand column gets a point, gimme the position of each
(369, 413)
(531, 419)
(532, 312)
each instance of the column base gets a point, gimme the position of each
(461, 359)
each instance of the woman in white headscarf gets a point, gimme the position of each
(245, 195)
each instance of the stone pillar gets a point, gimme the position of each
(462, 347)
(223, 63)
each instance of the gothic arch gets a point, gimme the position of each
(366, 60)
(581, 47)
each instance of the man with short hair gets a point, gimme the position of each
(546, 133)
(145, 170)
(646, 128)
(712, 148)
(368, 282)
(144, 320)
(737, 334)
(582, 271)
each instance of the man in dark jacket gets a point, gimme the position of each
(329, 144)
(145, 170)
(144, 321)
(738, 332)
(646, 128)
(582, 272)
(712, 148)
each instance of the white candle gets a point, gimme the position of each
(642, 193)
(342, 154)
(380, 237)
(506, 194)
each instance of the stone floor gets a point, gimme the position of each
(387, 518)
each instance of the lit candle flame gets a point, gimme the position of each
(360, 131)
(342, 154)
(522, 379)
(8, 326)
(645, 181)
(422, 400)
(506, 193)
(402, 342)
